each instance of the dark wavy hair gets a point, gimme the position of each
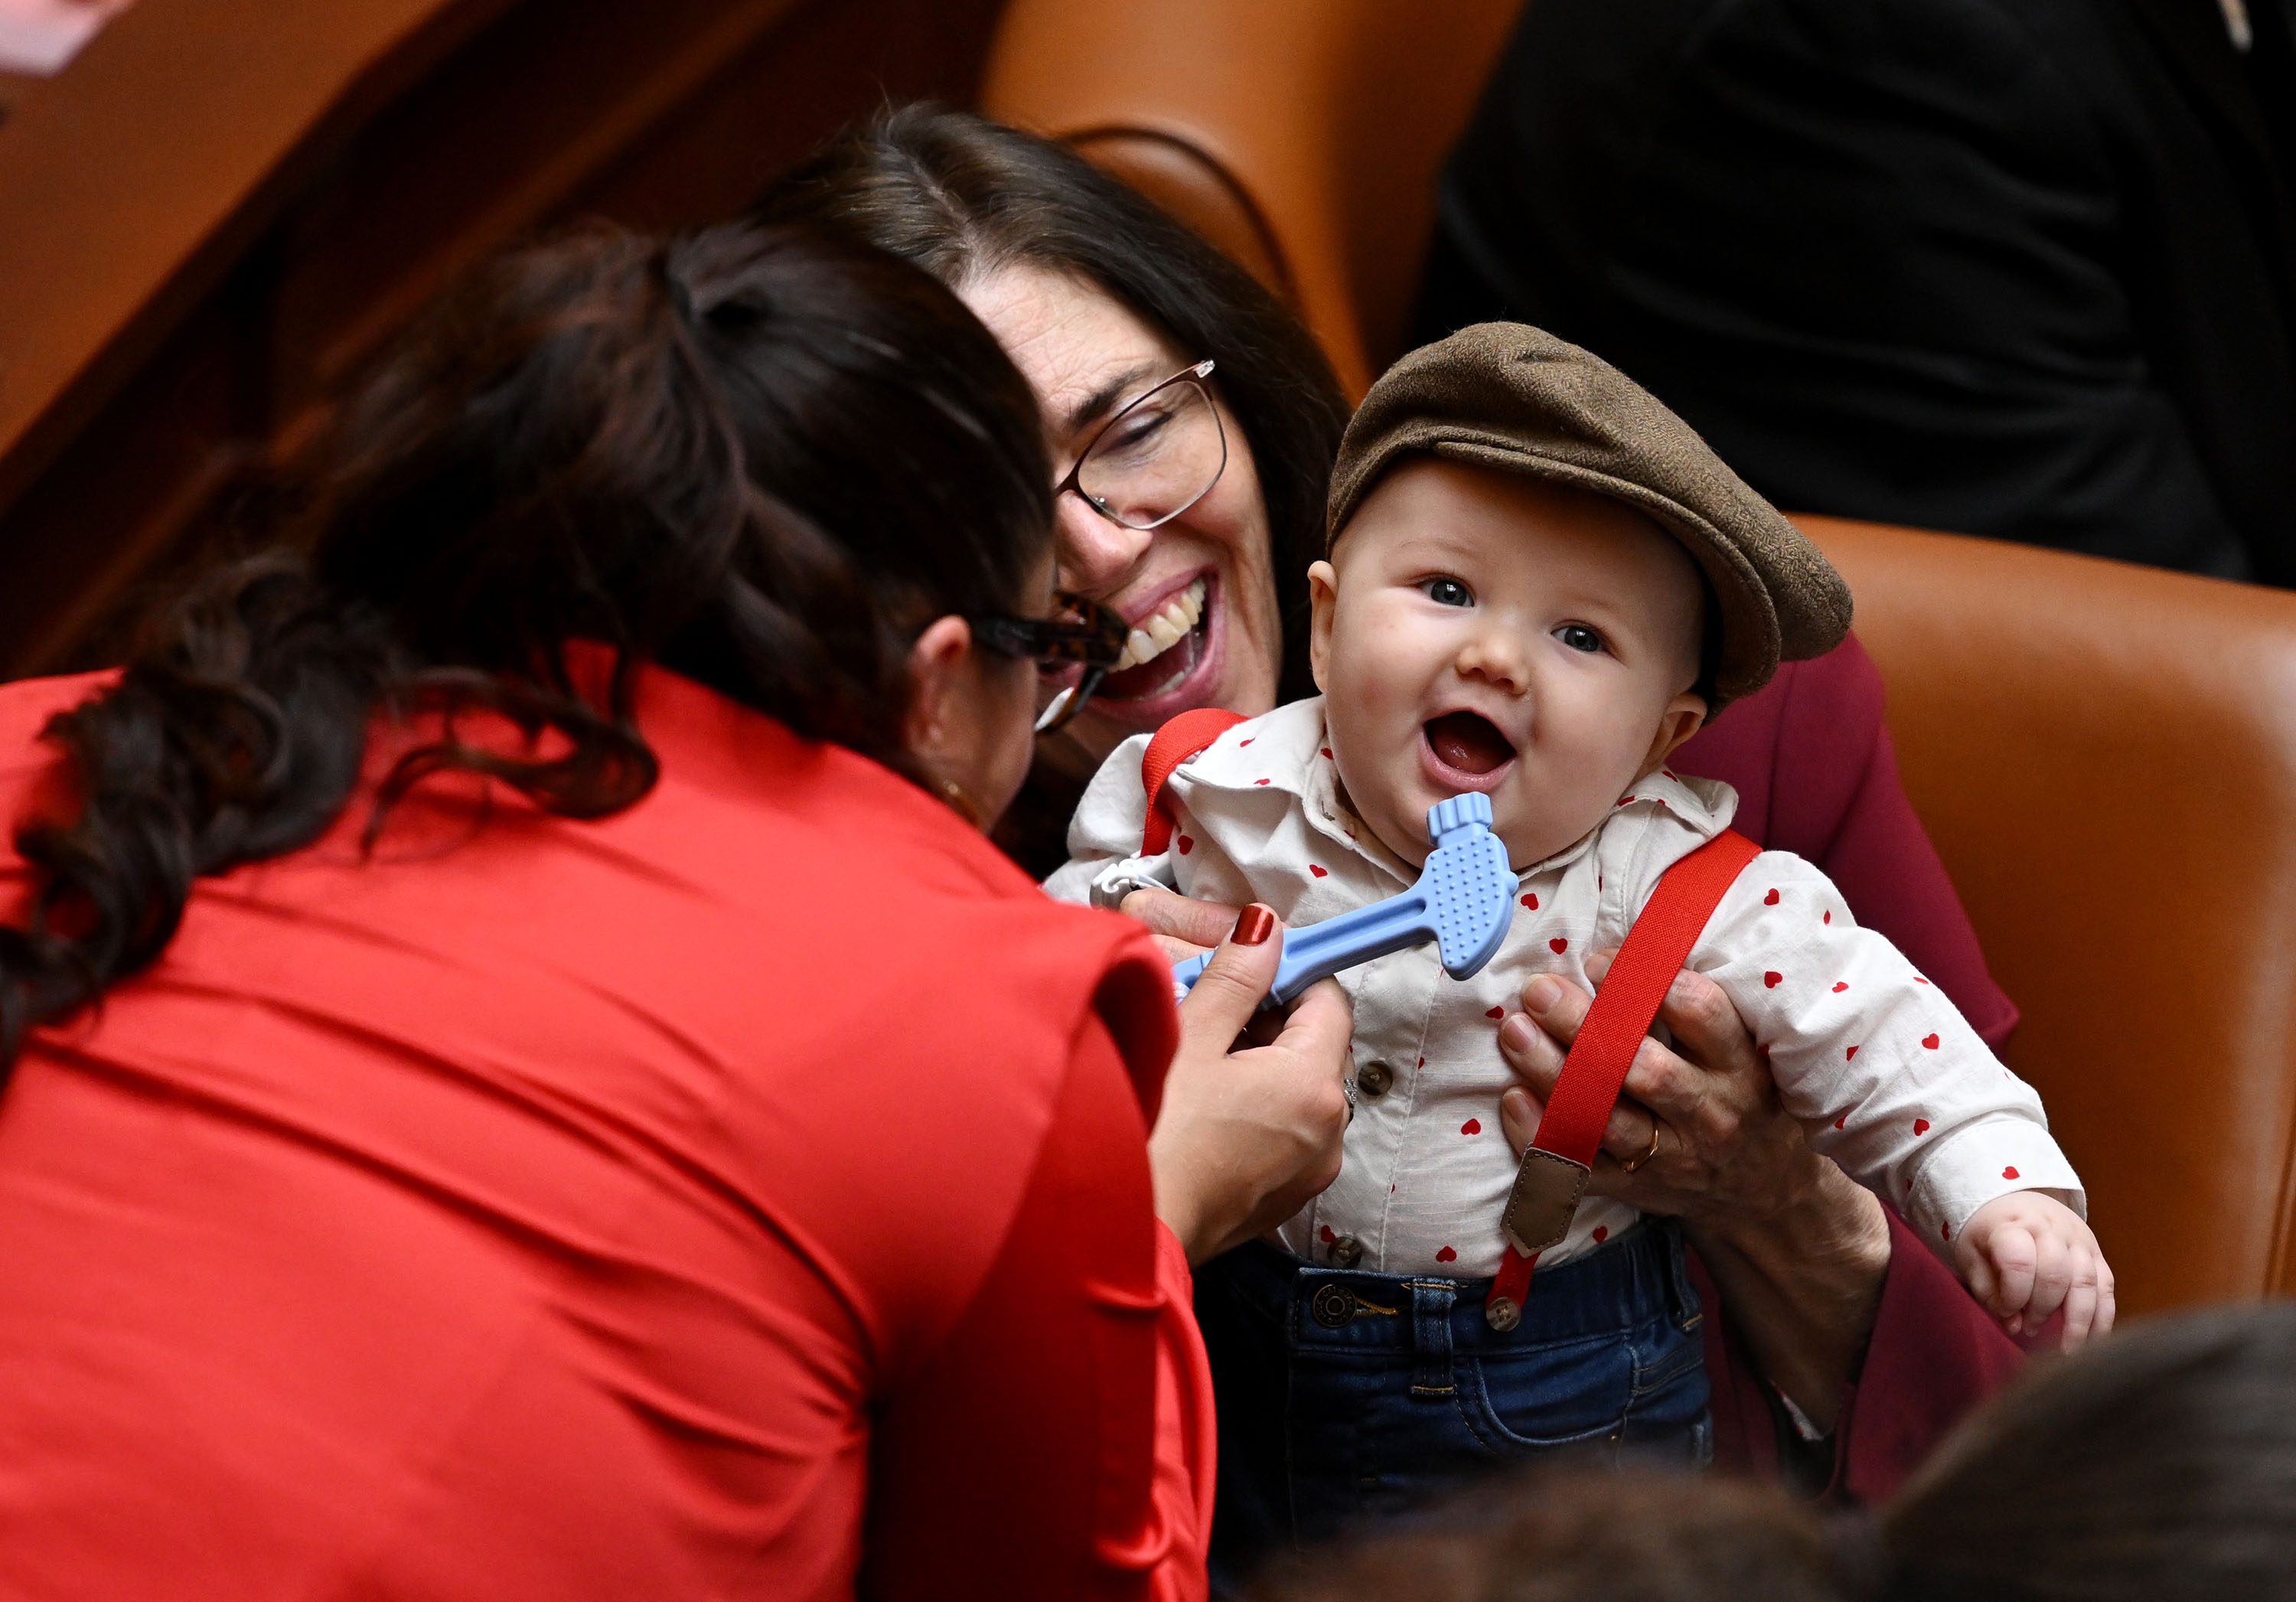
(962, 196)
(763, 458)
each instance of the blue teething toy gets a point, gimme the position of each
(1463, 901)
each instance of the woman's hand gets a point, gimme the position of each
(1185, 928)
(1797, 1247)
(1244, 1137)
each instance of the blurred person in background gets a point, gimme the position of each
(2021, 268)
(1838, 1348)
(2157, 1466)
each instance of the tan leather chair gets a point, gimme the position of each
(1300, 136)
(2105, 755)
(2106, 758)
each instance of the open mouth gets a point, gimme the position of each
(1468, 743)
(1165, 647)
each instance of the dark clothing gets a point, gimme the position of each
(1345, 1397)
(2024, 269)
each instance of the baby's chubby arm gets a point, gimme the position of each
(2026, 1254)
(1893, 1083)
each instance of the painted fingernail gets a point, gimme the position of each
(1542, 993)
(1254, 925)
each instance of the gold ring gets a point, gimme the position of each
(1647, 1155)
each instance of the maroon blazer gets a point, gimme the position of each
(1815, 774)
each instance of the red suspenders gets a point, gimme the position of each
(1180, 738)
(1555, 1169)
(1554, 1172)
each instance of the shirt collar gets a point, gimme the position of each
(1285, 751)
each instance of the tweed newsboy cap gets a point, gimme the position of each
(1504, 395)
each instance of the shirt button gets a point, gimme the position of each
(1332, 1306)
(1346, 1252)
(1374, 1079)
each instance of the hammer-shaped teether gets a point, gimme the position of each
(1463, 901)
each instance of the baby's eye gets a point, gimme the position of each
(1448, 592)
(1579, 637)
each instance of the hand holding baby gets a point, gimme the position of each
(2024, 1255)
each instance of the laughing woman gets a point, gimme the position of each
(1846, 1349)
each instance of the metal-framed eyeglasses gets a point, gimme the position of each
(1080, 632)
(1157, 458)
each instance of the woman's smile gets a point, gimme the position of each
(1199, 590)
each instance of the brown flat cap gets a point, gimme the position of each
(1503, 396)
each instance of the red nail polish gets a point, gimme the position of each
(1253, 926)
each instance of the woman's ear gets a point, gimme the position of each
(940, 710)
(1684, 717)
(1322, 600)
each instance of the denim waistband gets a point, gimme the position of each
(1621, 1285)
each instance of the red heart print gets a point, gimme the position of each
(1845, 1117)
(1852, 1056)
(1601, 1233)
(1945, 1231)
(1446, 1255)
(1625, 800)
(1473, 1126)
(1422, 1062)
(1558, 945)
(1666, 773)
(1497, 1012)
(1921, 1126)
(1240, 744)
(1770, 981)
(1260, 781)
(1827, 918)
(1327, 751)
(1841, 985)
(1325, 1234)
(1186, 845)
(2009, 1173)
(1931, 1041)
(1770, 900)
(1531, 902)
(1320, 873)
(1919, 979)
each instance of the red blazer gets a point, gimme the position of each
(1816, 775)
(731, 1197)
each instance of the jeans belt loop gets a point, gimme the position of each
(1430, 1336)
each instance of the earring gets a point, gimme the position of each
(960, 803)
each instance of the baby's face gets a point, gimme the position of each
(1479, 630)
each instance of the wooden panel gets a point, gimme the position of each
(225, 204)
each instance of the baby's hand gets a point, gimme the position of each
(2023, 1255)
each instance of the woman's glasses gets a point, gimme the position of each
(1155, 458)
(1153, 461)
(1079, 632)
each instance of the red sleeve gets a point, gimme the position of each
(1816, 775)
(1060, 1444)
(1934, 1357)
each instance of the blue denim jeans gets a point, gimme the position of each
(1345, 1397)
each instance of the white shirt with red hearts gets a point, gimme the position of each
(1876, 1063)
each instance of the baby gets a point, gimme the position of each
(1539, 584)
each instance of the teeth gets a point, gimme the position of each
(1159, 632)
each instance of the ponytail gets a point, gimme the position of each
(758, 457)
